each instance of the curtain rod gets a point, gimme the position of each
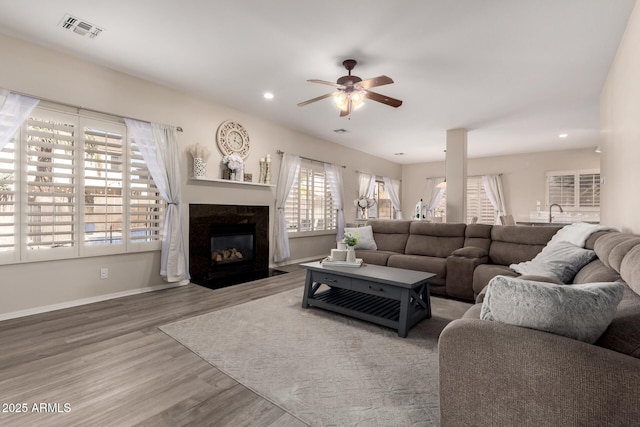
(308, 158)
(178, 128)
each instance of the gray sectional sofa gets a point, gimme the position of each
(497, 374)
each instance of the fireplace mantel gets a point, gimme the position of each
(227, 181)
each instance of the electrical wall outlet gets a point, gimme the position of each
(104, 273)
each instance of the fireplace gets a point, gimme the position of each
(233, 246)
(228, 244)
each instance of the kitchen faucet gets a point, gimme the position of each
(550, 207)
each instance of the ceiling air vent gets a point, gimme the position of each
(80, 26)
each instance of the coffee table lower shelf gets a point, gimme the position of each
(372, 308)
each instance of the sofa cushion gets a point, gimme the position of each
(434, 239)
(470, 252)
(596, 271)
(435, 265)
(374, 257)
(483, 274)
(478, 235)
(581, 312)
(511, 244)
(623, 334)
(390, 235)
(561, 260)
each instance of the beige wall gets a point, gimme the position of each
(620, 119)
(46, 74)
(523, 176)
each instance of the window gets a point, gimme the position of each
(309, 206)
(73, 185)
(575, 190)
(478, 203)
(383, 208)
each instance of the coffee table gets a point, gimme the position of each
(392, 297)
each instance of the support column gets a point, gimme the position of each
(456, 175)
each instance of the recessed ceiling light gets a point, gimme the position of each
(563, 135)
(398, 154)
(268, 95)
(340, 130)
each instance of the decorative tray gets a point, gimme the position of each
(329, 262)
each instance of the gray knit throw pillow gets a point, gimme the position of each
(582, 312)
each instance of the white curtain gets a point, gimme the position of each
(493, 187)
(393, 189)
(14, 110)
(159, 147)
(289, 170)
(334, 177)
(366, 185)
(434, 195)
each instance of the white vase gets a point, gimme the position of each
(351, 254)
(199, 167)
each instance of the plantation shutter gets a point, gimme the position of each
(146, 205)
(309, 206)
(478, 203)
(103, 184)
(589, 190)
(561, 189)
(574, 189)
(51, 183)
(8, 197)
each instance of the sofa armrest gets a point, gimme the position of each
(492, 374)
(460, 266)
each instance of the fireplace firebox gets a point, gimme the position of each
(228, 244)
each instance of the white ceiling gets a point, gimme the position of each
(515, 73)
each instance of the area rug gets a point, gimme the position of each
(324, 368)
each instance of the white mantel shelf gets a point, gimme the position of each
(228, 181)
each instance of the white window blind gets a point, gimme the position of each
(103, 184)
(74, 185)
(575, 190)
(51, 214)
(478, 203)
(309, 206)
(146, 206)
(7, 197)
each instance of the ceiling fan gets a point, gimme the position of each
(351, 91)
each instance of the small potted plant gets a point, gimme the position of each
(351, 239)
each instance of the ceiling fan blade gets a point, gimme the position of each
(392, 102)
(347, 110)
(318, 98)
(324, 82)
(376, 81)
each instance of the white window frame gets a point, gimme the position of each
(80, 119)
(293, 206)
(577, 174)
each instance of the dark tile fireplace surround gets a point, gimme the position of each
(228, 244)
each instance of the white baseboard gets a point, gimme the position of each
(75, 303)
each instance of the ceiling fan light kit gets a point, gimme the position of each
(352, 90)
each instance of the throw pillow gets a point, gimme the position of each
(560, 260)
(365, 237)
(582, 312)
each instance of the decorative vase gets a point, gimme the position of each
(199, 167)
(351, 254)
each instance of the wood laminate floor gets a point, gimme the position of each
(108, 364)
